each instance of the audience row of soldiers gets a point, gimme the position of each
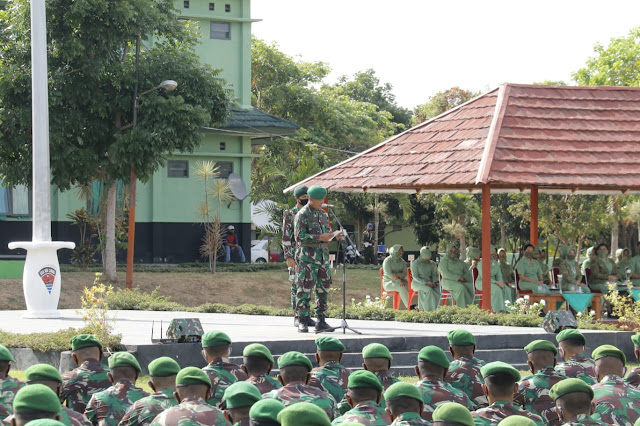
(465, 391)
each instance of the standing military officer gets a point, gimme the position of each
(456, 277)
(574, 404)
(8, 385)
(364, 395)
(633, 377)
(331, 374)
(404, 405)
(163, 372)
(216, 346)
(289, 245)
(106, 408)
(464, 371)
(35, 402)
(369, 246)
(313, 233)
(257, 363)
(425, 281)
(239, 398)
(571, 346)
(89, 377)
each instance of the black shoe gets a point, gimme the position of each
(310, 322)
(296, 321)
(302, 325)
(322, 325)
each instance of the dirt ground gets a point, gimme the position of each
(270, 288)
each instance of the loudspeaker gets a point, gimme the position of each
(556, 321)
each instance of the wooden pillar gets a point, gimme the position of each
(486, 247)
(533, 232)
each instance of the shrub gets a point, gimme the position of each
(56, 341)
(137, 300)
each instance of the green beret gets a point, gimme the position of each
(402, 390)
(376, 350)
(42, 373)
(5, 355)
(256, 349)
(300, 191)
(329, 344)
(636, 340)
(294, 358)
(45, 422)
(364, 379)
(453, 412)
(311, 414)
(85, 341)
(163, 367)
(517, 421)
(192, 376)
(241, 394)
(571, 334)
(215, 338)
(566, 386)
(608, 350)
(123, 359)
(541, 345)
(434, 355)
(317, 192)
(36, 397)
(266, 409)
(498, 367)
(461, 338)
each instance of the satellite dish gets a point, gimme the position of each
(237, 186)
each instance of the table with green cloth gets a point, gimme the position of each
(575, 300)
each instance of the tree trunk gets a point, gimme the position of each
(615, 230)
(376, 219)
(109, 266)
(463, 241)
(579, 248)
(503, 236)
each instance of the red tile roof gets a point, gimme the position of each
(584, 139)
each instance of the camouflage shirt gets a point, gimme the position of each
(299, 392)
(580, 367)
(333, 377)
(616, 402)
(435, 391)
(191, 412)
(144, 410)
(264, 383)
(499, 410)
(409, 419)
(584, 419)
(222, 375)
(309, 224)
(633, 378)
(386, 379)
(366, 413)
(106, 408)
(464, 374)
(82, 382)
(67, 417)
(8, 388)
(288, 237)
(533, 393)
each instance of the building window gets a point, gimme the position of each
(227, 8)
(223, 146)
(178, 168)
(212, 6)
(15, 201)
(186, 4)
(225, 168)
(220, 30)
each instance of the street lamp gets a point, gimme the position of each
(168, 85)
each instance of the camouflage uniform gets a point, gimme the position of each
(409, 419)
(191, 412)
(222, 375)
(299, 392)
(312, 256)
(289, 245)
(533, 393)
(264, 383)
(82, 382)
(580, 367)
(143, 411)
(333, 377)
(633, 377)
(435, 392)
(464, 374)
(499, 410)
(8, 388)
(106, 408)
(584, 419)
(366, 413)
(386, 379)
(616, 402)
(67, 417)
(369, 249)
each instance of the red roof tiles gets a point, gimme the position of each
(577, 138)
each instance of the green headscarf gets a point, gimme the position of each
(449, 247)
(395, 251)
(472, 253)
(425, 253)
(590, 253)
(563, 252)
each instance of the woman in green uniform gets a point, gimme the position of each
(500, 292)
(424, 273)
(395, 273)
(530, 272)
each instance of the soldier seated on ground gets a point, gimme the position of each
(573, 399)
(363, 395)
(404, 404)
(257, 364)
(216, 346)
(377, 359)
(303, 413)
(633, 377)
(331, 374)
(452, 414)
(239, 398)
(265, 413)
(464, 371)
(9, 385)
(571, 347)
(35, 402)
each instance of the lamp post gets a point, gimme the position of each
(168, 85)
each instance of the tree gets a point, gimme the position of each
(441, 102)
(91, 84)
(460, 209)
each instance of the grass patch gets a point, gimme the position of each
(56, 341)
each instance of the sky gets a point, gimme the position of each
(424, 46)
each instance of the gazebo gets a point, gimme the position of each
(516, 138)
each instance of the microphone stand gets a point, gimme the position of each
(343, 325)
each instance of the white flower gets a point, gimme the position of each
(526, 297)
(368, 297)
(353, 299)
(543, 302)
(535, 305)
(592, 312)
(507, 303)
(359, 303)
(520, 301)
(579, 314)
(377, 298)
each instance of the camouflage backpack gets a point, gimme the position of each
(185, 330)
(556, 321)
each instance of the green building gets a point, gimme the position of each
(166, 218)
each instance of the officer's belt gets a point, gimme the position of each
(315, 245)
